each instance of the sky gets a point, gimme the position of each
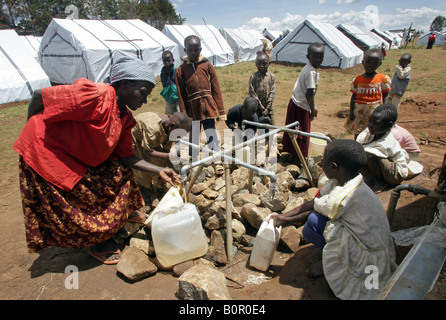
(279, 15)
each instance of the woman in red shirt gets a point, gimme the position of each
(76, 157)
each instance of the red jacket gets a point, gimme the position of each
(80, 126)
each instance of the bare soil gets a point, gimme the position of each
(30, 276)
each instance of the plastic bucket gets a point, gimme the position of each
(317, 146)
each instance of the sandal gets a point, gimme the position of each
(137, 217)
(107, 256)
(219, 170)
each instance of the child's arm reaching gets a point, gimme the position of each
(297, 215)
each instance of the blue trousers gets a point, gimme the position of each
(208, 126)
(314, 228)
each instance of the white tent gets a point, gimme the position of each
(73, 49)
(361, 39)
(396, 38)
(214, 46)
(20, 74)
(33, 44)
(375, 37)
(245, 43)
(385, 37)
(439, 39)
(340, 52)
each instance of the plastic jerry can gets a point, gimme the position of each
(265, 245)
(178, 235)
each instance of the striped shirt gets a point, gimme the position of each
(262, 86)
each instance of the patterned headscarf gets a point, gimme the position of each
(128, 68)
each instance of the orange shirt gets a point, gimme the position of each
(369, 90)
(80, 126)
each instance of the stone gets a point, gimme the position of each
(254, 215)
(144, 245)
(215, 222)
(311, 193)
(284, 180)
(301, 184)
(217, 249)
(240, 199)
(290, 238)
(293, 202)
(238, 227)
(294, 170)
(210, 194)
(202, 204)
(182, 267)
(258, 188)
(277, 202)
(202, 282)
(135, 265)
(240, 177)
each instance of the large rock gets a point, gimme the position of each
(293, 202)
(217, 249)
(275, 201)
(240, 199)
(290, 238)
(202, 282)
(135, 265)
(240, 177)
(254, 215)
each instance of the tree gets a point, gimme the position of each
(33, 16)
(438, 24)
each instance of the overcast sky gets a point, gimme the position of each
(287, 14)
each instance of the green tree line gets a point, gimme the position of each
(33, 16)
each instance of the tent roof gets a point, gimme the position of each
(244, 42)
(439, 39)
(89, 47)
(20, 74)
(359, 35)
(340, 51)
(374, 36)
(383, 35)
(214, 46)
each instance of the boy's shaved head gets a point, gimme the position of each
(406, 56)
(315, 47)
(347, 153)
(191, 39)
(374, 52)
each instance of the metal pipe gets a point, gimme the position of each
(286, 129)
(186, 168)
(228, 212)
(396, 193)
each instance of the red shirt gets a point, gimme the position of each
(79, 127)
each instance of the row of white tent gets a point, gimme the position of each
(72, 49)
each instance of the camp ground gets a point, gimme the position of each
(439, 39)
(359, 37)
(20, 74)
(214, 46)
(340, 52)
(244, 42)
(73, 49)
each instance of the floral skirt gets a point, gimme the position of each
(91, 213)
(362, 114)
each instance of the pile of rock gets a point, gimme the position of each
(201, 279)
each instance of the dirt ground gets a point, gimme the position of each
(42, 275)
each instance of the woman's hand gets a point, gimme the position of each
(170, 176)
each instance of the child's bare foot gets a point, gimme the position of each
(316, 270)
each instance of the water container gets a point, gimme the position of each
(265, 245)
(172, 198)
(243, 154)
(317, 146)
(178, 235)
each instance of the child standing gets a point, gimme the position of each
(348, 221)
(301, 106)
(400, 80)
(199, 95)
(368, 90)
(262, 86)
(169, 91)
